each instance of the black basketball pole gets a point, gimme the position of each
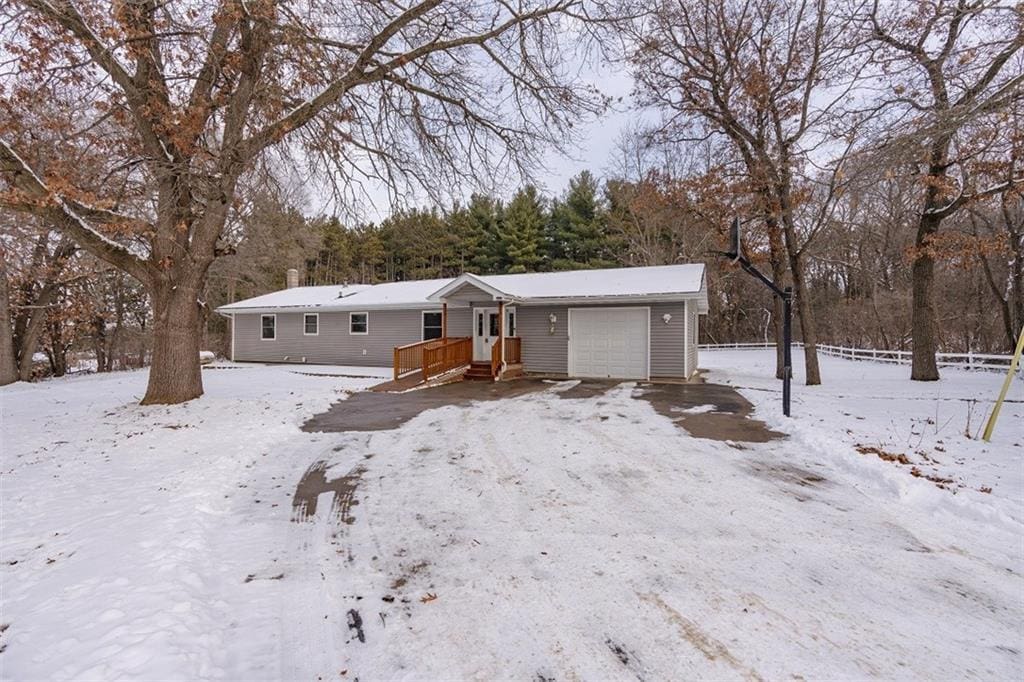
(736, 255)
(787, 346)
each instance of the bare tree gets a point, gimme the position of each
(764, 75)
(947, 64)
(191, 96)
(8, 368)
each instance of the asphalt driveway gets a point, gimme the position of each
(703, 410)
(616, 530)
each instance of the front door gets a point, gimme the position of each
(485, 333)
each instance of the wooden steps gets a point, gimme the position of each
(479, 371)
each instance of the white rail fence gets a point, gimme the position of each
(966, 360)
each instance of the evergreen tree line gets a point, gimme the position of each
(486, 235)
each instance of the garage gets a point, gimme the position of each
(609, 342)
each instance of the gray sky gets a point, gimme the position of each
(593, 152)
(598, 138)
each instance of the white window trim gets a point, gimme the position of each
(686, 339)
(274, 337)
(317, 316)
(423, 323)
(352, 333)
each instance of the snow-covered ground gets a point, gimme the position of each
(872, 409)
(536, 537)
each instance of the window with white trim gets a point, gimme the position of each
(311, 324)
(432, 325)
(268, 327)
(359, 323)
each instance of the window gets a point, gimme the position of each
(268, 327)
(493, 324)
(511, 331)
(311, 324)
(432, 326)
(358, 323)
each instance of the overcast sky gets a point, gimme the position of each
(593, 152)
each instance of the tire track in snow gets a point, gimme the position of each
(711, 648)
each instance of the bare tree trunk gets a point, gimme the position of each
(924, 366)
(803, 305)
(8, 369)
(29, 340)
(57, 352)
(175, 375)
(1015, 295)
(807, 328)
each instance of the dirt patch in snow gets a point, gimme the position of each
(315, 482)
(729, 420)
(588, 388)
(371, 411)
(882, 454)
(787, 473)
(691, 632)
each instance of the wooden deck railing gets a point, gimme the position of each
(432, 357)
(409, 358)
(513, 350)
(437, 356)
(444, 355)
(495, 359)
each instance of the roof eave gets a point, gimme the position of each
(425, 305)
(611, 298)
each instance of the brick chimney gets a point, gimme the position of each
(291, 278)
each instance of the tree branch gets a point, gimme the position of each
(63, 214)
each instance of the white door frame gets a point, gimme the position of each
(571, 361)
(482, 344)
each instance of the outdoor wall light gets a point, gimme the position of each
(667, 317)
(552, 318)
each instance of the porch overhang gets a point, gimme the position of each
(467, 288)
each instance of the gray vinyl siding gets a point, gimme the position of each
(547, 352)
(668, 340)
(543, 351)
(334, 345)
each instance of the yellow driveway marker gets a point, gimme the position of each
(987, 436)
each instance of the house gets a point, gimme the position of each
(629, 323)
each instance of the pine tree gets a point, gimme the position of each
(488, 255)
(577, 233)
(522, 231)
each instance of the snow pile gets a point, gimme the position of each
(920, 440)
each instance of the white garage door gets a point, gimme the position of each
(608, 342)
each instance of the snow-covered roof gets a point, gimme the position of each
(659, 280)
(669, 282)
(305, 297)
